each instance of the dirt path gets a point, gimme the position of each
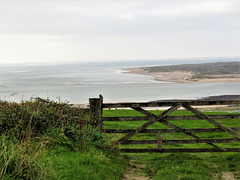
(228, 176)
(225, 176)
(135, 172)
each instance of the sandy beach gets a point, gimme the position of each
(185, 77)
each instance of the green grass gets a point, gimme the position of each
(183, 165)
(41, 160)
(188, 166)
(92, 164)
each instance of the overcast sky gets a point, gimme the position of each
(49, 31)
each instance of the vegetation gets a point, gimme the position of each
(203, 166)
(200, 70)
(42, 139)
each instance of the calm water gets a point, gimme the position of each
(78, 82)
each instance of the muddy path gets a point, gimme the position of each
(135, 171)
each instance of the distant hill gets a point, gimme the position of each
(193, 73)
(222, 97)
(200, 70)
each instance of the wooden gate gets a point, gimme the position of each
(97, 106)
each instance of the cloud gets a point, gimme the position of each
(58, 29)
(179, 9)
(111, 17)
(194, 8)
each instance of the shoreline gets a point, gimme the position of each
(183, 76)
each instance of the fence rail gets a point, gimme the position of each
(170, 130)
(143, 118)
(164, 103)
(97, 106)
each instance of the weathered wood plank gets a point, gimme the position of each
(149, 114)
(187, 133)
(193, 150)
(140, 118)
(145, 118)
(144, 112)
(170, 103)
(100, 112)
(152, 121)
(163, 118)
(170, 130)
(96, 111)
(182, 141)
(203, 116)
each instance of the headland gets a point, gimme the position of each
(192, 73)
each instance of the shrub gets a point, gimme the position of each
(35, 133)
(31, 118)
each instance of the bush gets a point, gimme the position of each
(31, 118)
(40, 139)
(62, 123)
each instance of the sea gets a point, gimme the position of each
(77, 82)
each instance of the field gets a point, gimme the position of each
(181, 165)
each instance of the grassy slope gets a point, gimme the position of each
(92, 164)
(185, 165)
(57, 162)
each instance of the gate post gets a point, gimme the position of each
(96, 112)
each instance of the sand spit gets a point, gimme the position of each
(184, 76)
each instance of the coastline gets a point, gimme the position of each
(183, 76)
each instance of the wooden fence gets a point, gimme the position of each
(97, 106)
